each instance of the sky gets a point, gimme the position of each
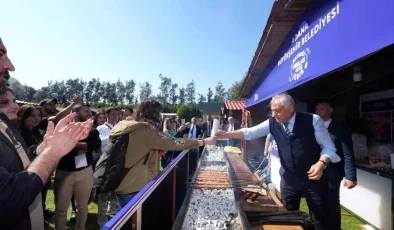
(204, 40)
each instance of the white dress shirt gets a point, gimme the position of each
(193, 135)
(231, 128)
(104, 131)
(321, 134)
(327, 123)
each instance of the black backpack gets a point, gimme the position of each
(115, 169)
(114, 164)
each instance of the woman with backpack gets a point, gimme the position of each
(134, 158)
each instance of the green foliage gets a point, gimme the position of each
(188, 111)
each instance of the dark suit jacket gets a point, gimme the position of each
(205, 128)
(343, 143)
(198, 131)
(18, 188)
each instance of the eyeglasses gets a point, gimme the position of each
(171, 122)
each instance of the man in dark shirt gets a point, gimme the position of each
(74, 175)
(344, 170)
(20, 186)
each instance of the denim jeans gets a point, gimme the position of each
(123, 199)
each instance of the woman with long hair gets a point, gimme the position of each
(99, 119)
(29, 118)
(135, 159)
(169, 128)
(28, 121)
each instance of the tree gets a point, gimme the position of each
(173, 95)
(59, 88)
(210, 95)
(181, 96)
(29, 93)
(220, 92)
(136, 101)
(184, 112)
(98, 90)
(234, 92)
(190, 92)
(120, 91)
(164, 89)
(73, 87)
(19, 92)
(145, 90)
(112, 94)
(201, 98)
(89, 92)
(130, 89)
(42, 94)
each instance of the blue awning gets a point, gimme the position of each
(325, 37)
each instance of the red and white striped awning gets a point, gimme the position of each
(234, 105)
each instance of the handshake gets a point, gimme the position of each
(213, 140)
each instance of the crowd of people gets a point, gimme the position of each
(117, 151)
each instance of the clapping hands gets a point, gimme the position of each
(63, 138)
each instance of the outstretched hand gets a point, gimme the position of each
(63, 138)
(220, 134)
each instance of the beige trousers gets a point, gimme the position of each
(79, 183)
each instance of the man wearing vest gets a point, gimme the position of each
(305, 149)
(336, 172)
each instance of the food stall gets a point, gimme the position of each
(338, 51)
(220, 192)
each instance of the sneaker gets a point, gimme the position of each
(73, 217)
(101, 221)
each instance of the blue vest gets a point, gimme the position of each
(299, 150)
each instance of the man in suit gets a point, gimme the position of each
(232, 126)
(194, 131)
(207, 126)
(305, 149)
(337, 171)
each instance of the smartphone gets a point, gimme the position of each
(183, 121)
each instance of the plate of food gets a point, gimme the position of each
(231, 149)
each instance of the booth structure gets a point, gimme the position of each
(339, 51)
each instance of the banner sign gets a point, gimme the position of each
(327, 36)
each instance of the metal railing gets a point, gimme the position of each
(158, 203)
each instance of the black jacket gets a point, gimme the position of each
(199, 131)
(205, 128)
(343, 143)
(18, 189)
(93, 142)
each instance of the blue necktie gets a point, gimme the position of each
(286, 124)
(191, 132)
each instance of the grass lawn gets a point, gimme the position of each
(349, 221)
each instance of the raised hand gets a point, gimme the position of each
(77, 100)
(63, 138)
